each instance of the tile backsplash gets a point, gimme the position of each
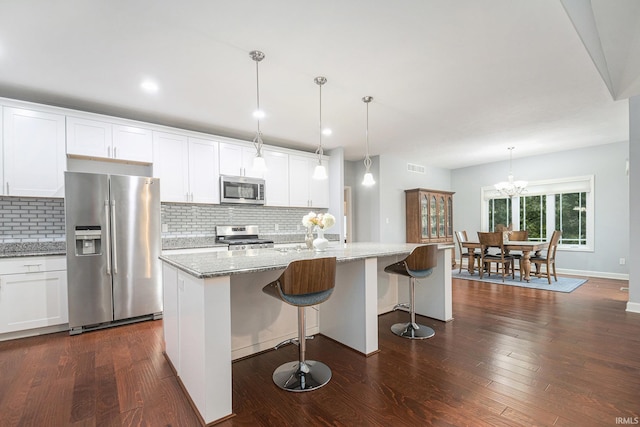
(31, 219)
(189, 220)
(37, 219)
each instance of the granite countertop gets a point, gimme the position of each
(213, 264)
(12, 250)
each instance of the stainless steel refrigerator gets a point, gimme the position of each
(113, 243)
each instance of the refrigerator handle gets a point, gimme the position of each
(107, 236)
(113, 234)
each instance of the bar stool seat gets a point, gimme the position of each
(303, 283)
(417, 265)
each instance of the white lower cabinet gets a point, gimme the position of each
(33, 293)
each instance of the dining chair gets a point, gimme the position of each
(518, 236)
(494, 240)
(461, 236)
(549, 261)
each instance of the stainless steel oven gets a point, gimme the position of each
(241, 189)
(241, 237)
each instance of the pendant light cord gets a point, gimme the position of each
(367, 159)
(320, 81)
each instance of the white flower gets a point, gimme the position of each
(323, 221)
(328, 220)
(308, 219)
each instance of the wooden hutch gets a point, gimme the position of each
(429, 216)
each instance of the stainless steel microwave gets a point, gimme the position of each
(241, 189)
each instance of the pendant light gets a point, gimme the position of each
(259, 164)
(320, 172)
(368, 180)
(510, 187)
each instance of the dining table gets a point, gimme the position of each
(526, 247)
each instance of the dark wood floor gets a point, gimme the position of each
(512, 357)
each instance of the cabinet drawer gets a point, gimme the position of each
(20, 265)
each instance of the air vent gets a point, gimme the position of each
(415, 168)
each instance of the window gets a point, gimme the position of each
(499, 213)
(533, 217)
(562, 204)
(571, 214)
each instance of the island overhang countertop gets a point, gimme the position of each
(224, 263)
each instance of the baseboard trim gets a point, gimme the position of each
(633, 307)
(598, 274)
(588, 273)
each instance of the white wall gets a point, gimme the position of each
(373, 205)
(606, 162)
(634, 202)
(394, 180)
(379, 211)
(336, 184)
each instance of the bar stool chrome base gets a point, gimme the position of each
(299, 377)
(412, 330)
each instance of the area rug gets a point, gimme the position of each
(564, 284)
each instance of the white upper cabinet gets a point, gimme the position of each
(204, 182)
(237, 160)
(276, 178)
(187, 168)
(303, 189)
(33, 153)
(132, 143)
(103, 140)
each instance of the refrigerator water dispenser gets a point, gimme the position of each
(88, 240)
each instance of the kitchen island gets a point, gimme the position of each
(215, 311)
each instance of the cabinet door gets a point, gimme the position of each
(132, 144)
(424, 215)
(171, 165)
(204, 182)
(34, 153)
(248, 154)
(231, 159)
(33, 300)
(89, 138)
(442, 217)
(276, 178)
(299, 178)
(237, 160)
(450, 218)
(318, 188)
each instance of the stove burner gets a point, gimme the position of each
(241, 237)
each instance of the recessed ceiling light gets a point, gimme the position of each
(149, 86)
(258, 114)
(327, 131)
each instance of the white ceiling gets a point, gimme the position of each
(454, 82)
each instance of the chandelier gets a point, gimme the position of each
(510, 187)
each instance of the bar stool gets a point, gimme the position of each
(303, 283)
(417, 265)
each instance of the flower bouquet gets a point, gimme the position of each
(321, 222)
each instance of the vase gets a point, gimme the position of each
(308, 238)
(320, 244)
